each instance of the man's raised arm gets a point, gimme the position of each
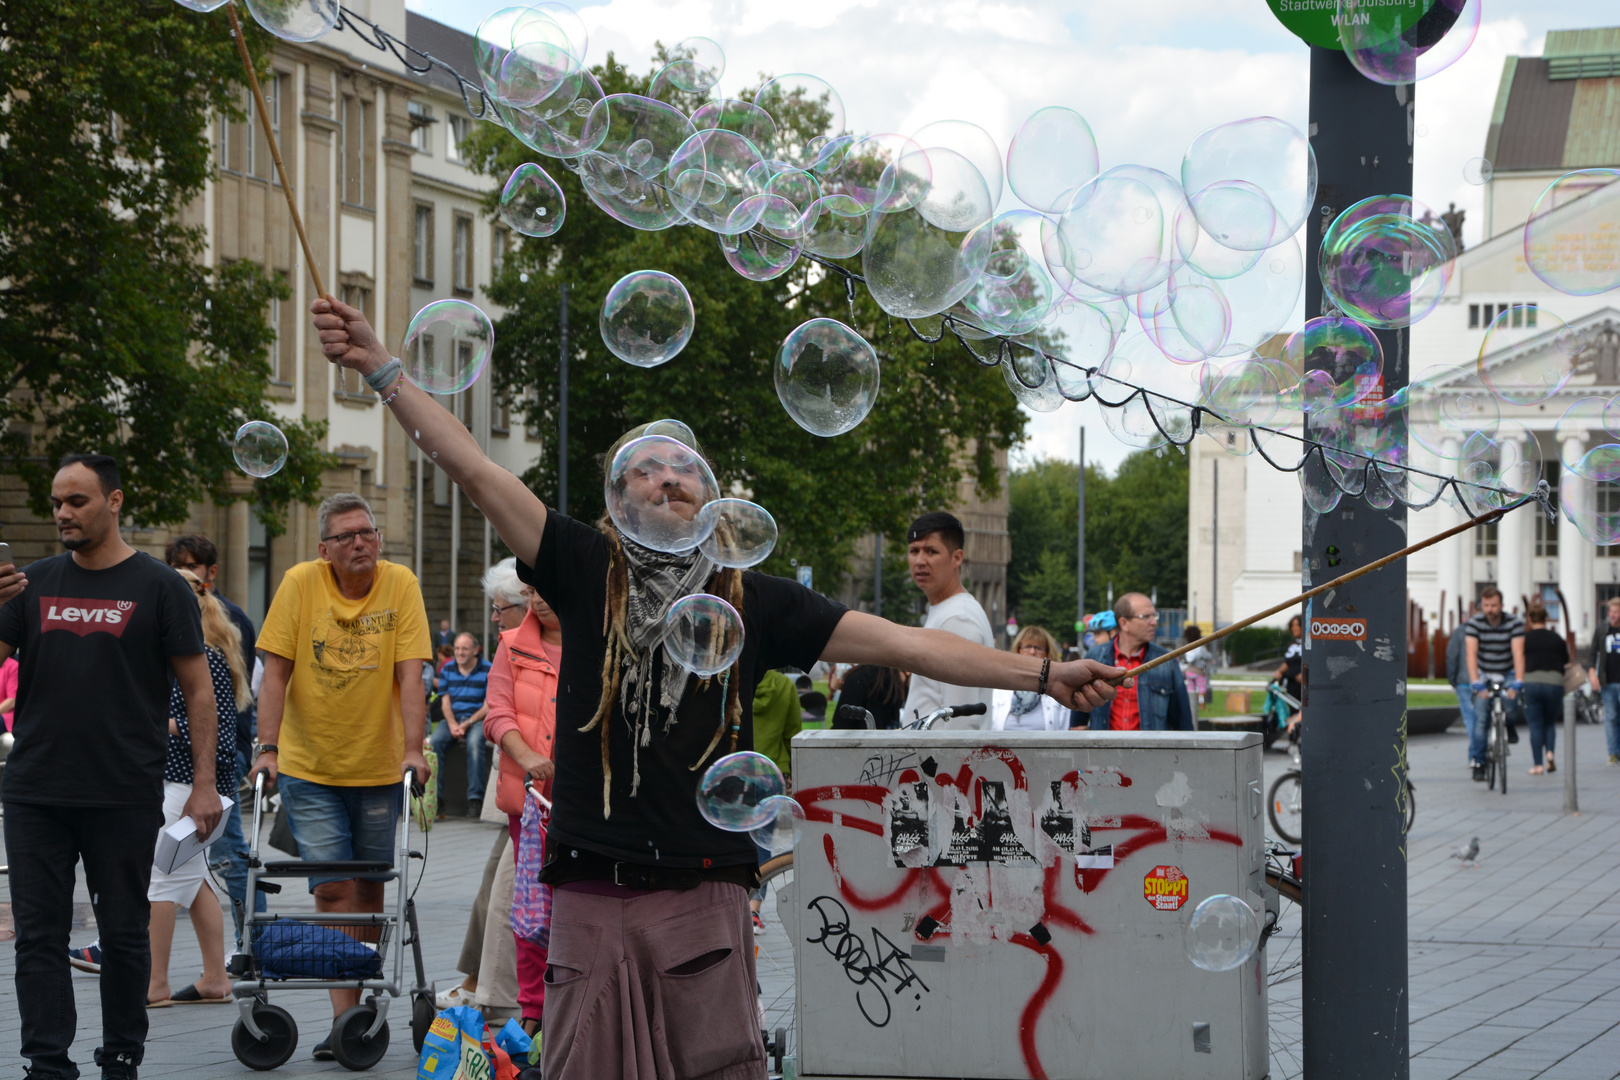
(517, 514)
(860, 638)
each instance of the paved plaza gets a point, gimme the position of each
(1515, 962)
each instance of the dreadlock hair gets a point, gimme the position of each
(726, 583)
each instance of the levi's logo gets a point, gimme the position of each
(81, 616)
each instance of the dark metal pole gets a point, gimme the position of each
(1080, 554)
(562, 407)
(877, 575)
(1354, 750)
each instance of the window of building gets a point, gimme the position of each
(500, 419)
(455, 134)
(260, 162)
(1530, 312)
(421, 116)
(531, 414)
(1473, 316)
(462, 253)
(359, 156)
(259, 580)
(1485, 540)
(424, 352)
(464, 400)
(228, 144)
(422, 245)
(347, 383)
(284, 321)
(1606, 500)
(1547, 531)
(499, 237)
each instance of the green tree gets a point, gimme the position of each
(1136, 535)
(824, 493)
(114, 336)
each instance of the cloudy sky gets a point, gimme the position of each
(1148, 75)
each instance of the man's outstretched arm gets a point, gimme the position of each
(517, 513)
(860, 638)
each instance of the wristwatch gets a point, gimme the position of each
(266, 748)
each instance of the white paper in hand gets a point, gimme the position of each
(179, 843)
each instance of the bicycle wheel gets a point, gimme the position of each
(1502, 745)
(1285, 806)
(1285, 967)
(773, 961)
(1490, 749)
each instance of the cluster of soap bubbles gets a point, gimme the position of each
(1166, 298)
(662, 495)
(744, 792)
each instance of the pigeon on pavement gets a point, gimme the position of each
(1468, 853)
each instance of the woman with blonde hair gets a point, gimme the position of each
(1026, 710)
(185, 885)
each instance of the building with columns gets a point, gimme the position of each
(395, 219)
(1553, 114)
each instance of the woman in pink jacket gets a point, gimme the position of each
(522, 721)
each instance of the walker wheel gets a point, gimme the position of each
(281, 1038)
(349, 1043)
(422, 1016)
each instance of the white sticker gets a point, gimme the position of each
(1101, 858)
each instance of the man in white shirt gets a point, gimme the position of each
(934, 552)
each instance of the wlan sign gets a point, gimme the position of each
(1316, 22)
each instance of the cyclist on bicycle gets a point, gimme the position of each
(1495, 646)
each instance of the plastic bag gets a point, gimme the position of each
(531, 901)
(524, 1050)
(454, 1047)
(426, 805)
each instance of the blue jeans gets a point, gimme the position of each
(1476, 730)
(334, 823)
(1543, 709)
(1611, 717)
(477, 755)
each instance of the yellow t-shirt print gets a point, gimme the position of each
(342, 724)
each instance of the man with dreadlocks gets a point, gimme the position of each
(651, 966)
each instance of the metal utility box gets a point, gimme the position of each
(993, 905)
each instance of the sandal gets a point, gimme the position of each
(1536, 770)
(1551, 767)
(192, 996)
(531, 1032)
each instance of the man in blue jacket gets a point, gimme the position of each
(1158, 701)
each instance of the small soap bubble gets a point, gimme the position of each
(531, 202)
(654, 490)
(735, 792)
(295, 20)
(1340, 359)
(1569, 237)
(1478, 171)
(1222, 933)
(756, 257)
(260, 448)
(447, 346)
(741, 533)
(646, 318)
(696, 65)
(826, 376)
(781, 834)
(202, 5)
(703, 634)
(1402, 43)
(672, 429)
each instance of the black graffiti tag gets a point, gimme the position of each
(881, 768)
(869, 970)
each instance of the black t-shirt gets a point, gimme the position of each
(1294, 662)
(784, 625)
(860, 687)
(1544, 650)
(92, 720)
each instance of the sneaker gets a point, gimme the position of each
(456, 995)
(117, 1066)
(475, 808)
(323, 1050)
(759, 923)
(1479, 773)
(88, 958)
(1614, 759)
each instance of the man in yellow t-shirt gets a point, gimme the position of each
(341, 710)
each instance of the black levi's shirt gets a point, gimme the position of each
(784, 624)
(92, 719)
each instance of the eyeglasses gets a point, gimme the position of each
(1152, 615)
(496, 609)
(344, 539)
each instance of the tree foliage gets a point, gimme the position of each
(114, 336)
(824, 493)
(1136, 535)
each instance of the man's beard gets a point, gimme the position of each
(75, 544)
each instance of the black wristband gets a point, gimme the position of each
(1046, 666)
(267, 748)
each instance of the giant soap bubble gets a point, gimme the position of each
(646, 318)
(1274, 161)
(1570, 239)
(1386, 260)
(655, 489)
(741, 533)
(260, 449)
(1221, 934)
(1053, 153)
(1404, 42)
(826, 377)
(1528, 354)
(531, 202)
(447, 346)
(295, 20)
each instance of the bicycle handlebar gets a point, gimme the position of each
(949, 712)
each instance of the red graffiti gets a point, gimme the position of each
(1037, 1002)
